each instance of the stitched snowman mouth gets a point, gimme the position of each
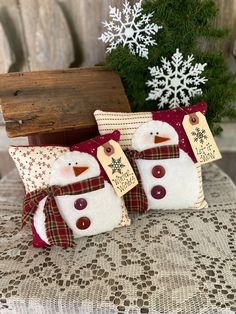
(160, 139)
(79, 170)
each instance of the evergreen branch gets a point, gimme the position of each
(185, 24)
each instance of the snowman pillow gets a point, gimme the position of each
(67, 193)
(159, 151)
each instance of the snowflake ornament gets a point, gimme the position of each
(130, 27)
(176, 81)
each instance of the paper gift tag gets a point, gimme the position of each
(117, 167)
(201, 138)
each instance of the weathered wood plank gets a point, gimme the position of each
(48, 38)
(52, 101)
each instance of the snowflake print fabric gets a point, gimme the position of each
(34, 164)
(130, 27)
(176, 81)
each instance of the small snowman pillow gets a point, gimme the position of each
(161, 155)
(68, 195)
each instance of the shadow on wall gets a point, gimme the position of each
(14, 39)
(78, 53)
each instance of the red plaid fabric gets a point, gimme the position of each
(58, 232)
(136, 199)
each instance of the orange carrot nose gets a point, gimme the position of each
(79, 170)
(160, 139)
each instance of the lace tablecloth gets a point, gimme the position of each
(166, 262)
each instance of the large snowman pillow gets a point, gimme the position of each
(161, 155)
(68, 195)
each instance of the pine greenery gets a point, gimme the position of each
(187, 25)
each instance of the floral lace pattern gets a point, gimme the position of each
(165, 262)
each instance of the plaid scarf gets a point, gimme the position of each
(57, 231)
(136, 199)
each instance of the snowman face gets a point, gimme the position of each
(73, 167)
(153, 134)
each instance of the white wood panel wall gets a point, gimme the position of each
(56, 33)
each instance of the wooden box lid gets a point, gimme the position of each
(54, 101)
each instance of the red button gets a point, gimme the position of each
(158, 171)
(80, 203)
(83, 223)
(158, 192)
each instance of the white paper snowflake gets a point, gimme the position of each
(130, 27)
(176, 81)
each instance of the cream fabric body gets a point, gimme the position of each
(180, 182)
(127, 124)
(104, 210)
(181, 178)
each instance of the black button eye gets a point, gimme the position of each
(76, 163)
(157, 133)
(151, 133)
(69, 164)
